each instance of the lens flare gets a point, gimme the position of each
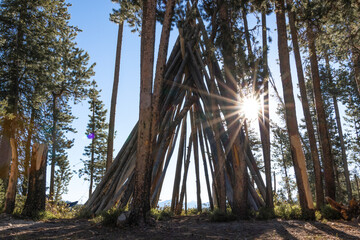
(91, 136)
(249, 108)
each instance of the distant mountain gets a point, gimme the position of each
(191, 204)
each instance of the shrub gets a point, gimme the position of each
(109, 217)
(162, 214)
(329, 213)
(218, 216)
(265, 213)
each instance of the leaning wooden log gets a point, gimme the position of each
(202, 149)
(182, 145)
(35, 201)
(183, 188)
(196, 159)
(347, 212)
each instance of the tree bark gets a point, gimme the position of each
(160, 67)
(110, 143)
(306, 110)
(320, 112)
(140, 208)
(5, 157)
(28, 153)
(340, 132)
(35, 201)
(240, 190)
(11, 189)
(297, 153)
(54, 148)
(265, 123)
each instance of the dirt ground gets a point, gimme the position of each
(194, 227)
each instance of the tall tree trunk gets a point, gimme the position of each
(54, 148)
(306, 110)
(11, 189)
(240, 188)
(5, 156)
(140, 208)
(28, 153)
(339, 127)
(160, 67)
(357, 184)
(110, 140)
(92, 150)
(287, 183)
(320, 112)
(297, 153)
(265, 122)
(35, 201)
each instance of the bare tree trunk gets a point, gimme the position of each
(265, 133)
(11, 189)
(341, 136)
(110, 140)
(240, 190)
(54, 148)
(297, 153)
(35, 201)
(92, 150)
(287, 183)
(320, 112)
(160, 68)
(28, 154)
(140, 208)
(306, 110)
(5, 157)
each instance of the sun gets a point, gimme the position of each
(249, 108)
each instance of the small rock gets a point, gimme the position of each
(121, 220)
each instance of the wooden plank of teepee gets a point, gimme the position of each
(182, 145)
(115, 167)
(156, 194)
(183, 187)
(196, 158)
(202, 149)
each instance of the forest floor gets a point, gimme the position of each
(184, 227)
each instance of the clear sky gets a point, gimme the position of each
(98, 38)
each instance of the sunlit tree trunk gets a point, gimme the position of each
(110, 141)
(297, 153)
(140, 208)
(11, 189)
(320, 112)
(306, 110)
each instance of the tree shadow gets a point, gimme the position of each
(332, 231)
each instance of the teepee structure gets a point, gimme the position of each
(195, 102)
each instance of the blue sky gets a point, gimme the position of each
(98, 38)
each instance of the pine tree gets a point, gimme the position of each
(95, 152)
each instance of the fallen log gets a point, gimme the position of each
(347, 212)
